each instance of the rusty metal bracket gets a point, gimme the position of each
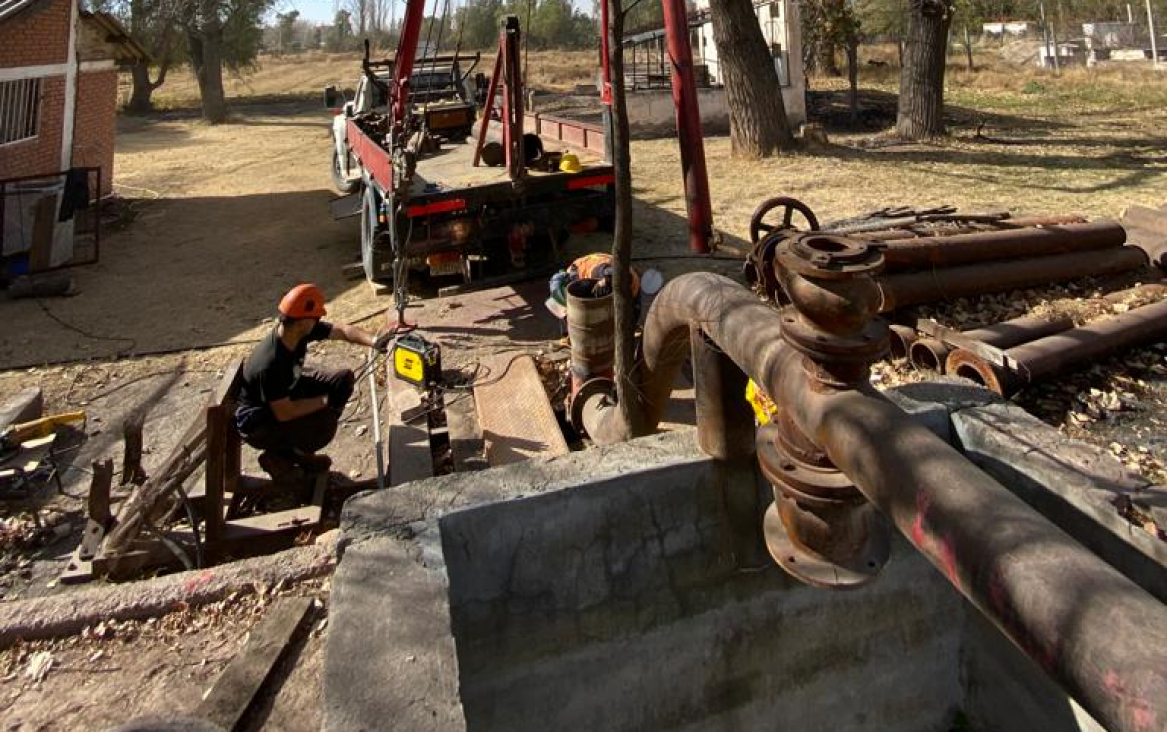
(955, 338)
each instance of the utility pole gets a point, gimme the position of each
(1045, 31)
(1151, 31)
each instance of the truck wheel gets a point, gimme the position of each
(370, 207)
(340, 182)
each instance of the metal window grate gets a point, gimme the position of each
(20, 103)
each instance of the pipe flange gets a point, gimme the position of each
(817, 570)
(809, 484)
(816, 255)
(867, 346)
(597, 388)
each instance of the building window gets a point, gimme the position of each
(20, 103)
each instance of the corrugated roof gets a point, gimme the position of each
(9, 8)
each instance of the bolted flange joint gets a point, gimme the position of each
(834, 300)
(820, 528)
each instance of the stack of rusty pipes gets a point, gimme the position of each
(941, 266)
(840, 449)
(1007, 372)
(928, 353)
(929, 345)
(930, 269)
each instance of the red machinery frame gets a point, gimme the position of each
(684, 88)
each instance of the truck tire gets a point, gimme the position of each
(372, 259)
(370, 208)
(343, 185)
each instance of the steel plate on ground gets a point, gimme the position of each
(516, 416)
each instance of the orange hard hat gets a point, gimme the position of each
(303, 301)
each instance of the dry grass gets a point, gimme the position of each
(307, 74)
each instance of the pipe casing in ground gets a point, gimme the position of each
(1097, 633)
(915, 288)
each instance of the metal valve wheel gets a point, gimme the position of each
(789, 207)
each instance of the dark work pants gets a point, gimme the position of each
(312, 432)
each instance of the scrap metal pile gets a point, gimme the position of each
(938, 255)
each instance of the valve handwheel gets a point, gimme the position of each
(789, 206)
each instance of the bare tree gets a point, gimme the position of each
(925, 49)
(757, 117)
(359, 9)
(627, 396)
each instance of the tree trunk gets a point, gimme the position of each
(627, 395)
(853, 78)
(921, 103)
(824, 58)
(207, 58)
(757, 117)
(968, 49)
(140, 97)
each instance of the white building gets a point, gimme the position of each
(781, 29)
(650, 104)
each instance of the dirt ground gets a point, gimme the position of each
(226, 218)
(160, 666)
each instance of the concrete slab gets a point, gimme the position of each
(389, 656)
(1072, 483)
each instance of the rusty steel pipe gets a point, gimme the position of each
(896, 232)
(1049, 355)
(900, 339)
(915, 288)
(928, 354)
(931, 354)
(1094, 631)
(987, 246)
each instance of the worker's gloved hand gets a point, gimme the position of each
(384, 341)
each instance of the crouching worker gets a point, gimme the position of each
(287, 411)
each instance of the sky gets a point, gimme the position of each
(323, 11)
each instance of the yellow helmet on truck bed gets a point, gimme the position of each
(569, 163)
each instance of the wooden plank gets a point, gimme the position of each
(294, 520)
(410, 457)
(239, 685)
(43, 229)
(213, 476)
(466, 445)
(513, 410)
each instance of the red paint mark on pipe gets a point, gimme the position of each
(1137, 708)
(198, 580)
(938, 548)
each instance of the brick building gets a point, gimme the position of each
(58, 87)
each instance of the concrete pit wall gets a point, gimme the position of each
(616, 606)
(600, 591)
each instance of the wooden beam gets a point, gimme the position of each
(214, 476)
(237, 688)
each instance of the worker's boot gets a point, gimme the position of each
(281, 468)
